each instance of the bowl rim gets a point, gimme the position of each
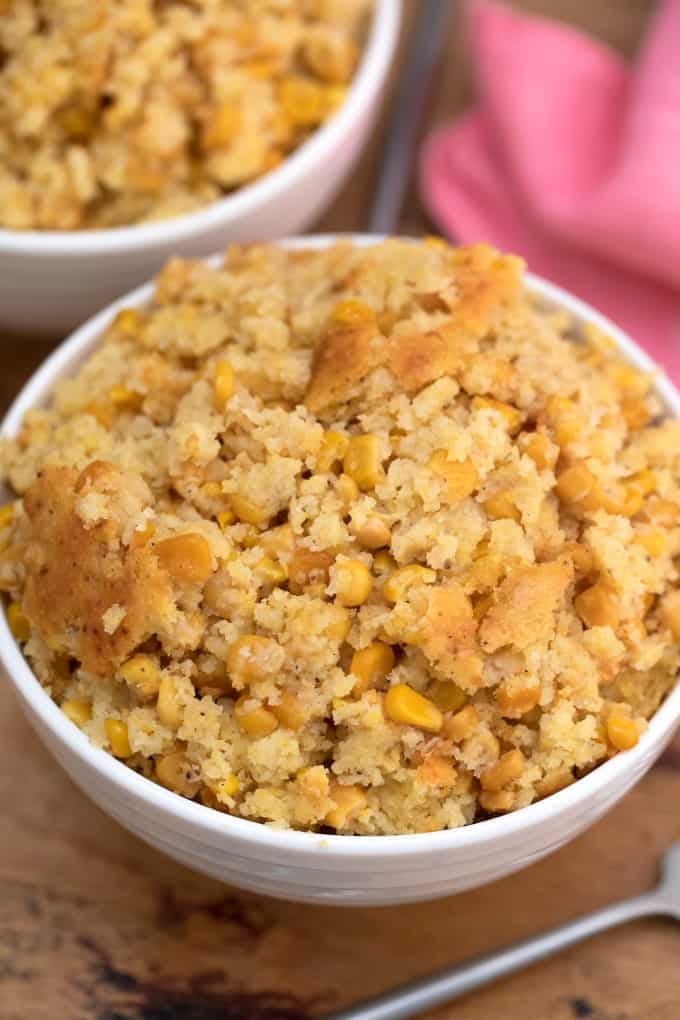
(595, 784)
(364, 88)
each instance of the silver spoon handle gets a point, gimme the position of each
(405, 118)
(412, 999)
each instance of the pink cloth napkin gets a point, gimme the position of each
(572, 159)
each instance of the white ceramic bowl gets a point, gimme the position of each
(304, 866)
(51, 281)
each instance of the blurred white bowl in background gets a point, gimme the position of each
(50, 281)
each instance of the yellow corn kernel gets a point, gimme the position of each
(396, 586)
(383, 563)
(437, 771)
(142, 673)
(260, 69)
(567, 430)
(576, 483)
(580, 555)
(352, 313)
(597, 606)
(670, 613)
(333, 448)
(254, 722)
(6, 515)
(186, 557)
(229, 786)
(362, 461)
(289, 711)
(141, 536)
(538, 446)
(447, 696)
(506, 770)
(168, 704)
(103, 413)
(353, 583)
(644, 481)
(247, 511)
(373, 533)
(175, 772)
(128, 321)
(653, 541)
(77, 122)
(212, 490)
(408, 707)
(124, 399)
(626, 500)
(496, 801)
(621, 732)
(334, 96)
(270, 572)
(348, 800)
(222, 128)
(635, 412)
(459, 476)
(370, 666)
(630, 380)
(461, 725)
(434, 241)
(517, 695)
(252, 657)
(500, 507)
(347, 490)
(512, 417)
(566, 420)
(225, 518)
(17, 622)
(117, 736)
(77, 710)
(330, 58)
(250, 537)
(302, 101)
(223, 386)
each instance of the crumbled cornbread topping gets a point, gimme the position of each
(362, 539)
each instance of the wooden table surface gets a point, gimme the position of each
(94, 925)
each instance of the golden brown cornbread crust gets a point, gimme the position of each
(362, 539)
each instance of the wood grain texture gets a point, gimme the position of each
(96, 926)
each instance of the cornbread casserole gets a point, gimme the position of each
(361, 539)
(118, 111)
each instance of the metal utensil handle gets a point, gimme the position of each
(415, 998)
(406, 115)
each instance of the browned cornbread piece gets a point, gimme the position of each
(74, 573)
(485, 284)
(362, 539)
(524, 607)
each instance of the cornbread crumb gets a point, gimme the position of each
(113, 617)
(358, 539)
